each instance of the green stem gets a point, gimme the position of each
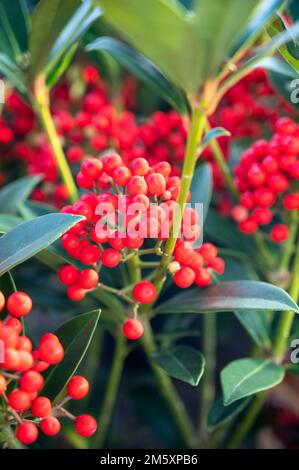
(246, 424)
(198, 122)
(207, 395)
(168, 391)
(111, 391)
(222, 163)
(263, 251)
(286, 320)
(289, 245)
(43, 109)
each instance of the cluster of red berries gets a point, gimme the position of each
(267, 178)
(95, 124)
(21, 380)
(141, 206)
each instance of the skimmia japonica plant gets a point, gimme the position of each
(160, 153)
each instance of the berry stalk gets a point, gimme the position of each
(198, 121)
(41, 101)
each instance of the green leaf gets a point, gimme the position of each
(202, 186)
(15, 193)
(181, 362)
(285, 85)
(56, 26)
(163, 32)
(211, 135)
(228, 296)
(59, 69)
(245, 377)
(8, 222)
(12, 72)
(292, 369)
(219, 414)
(218, 28)
(142, 68)
(13, 26)
(75, 336)
(290, 48)
(30, 237)
(7, 286)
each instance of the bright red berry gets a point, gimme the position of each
(90, 255)
(92, 168)
(50, 426)
(3, 384)
(208, 251)
(76, 292)
(51, 351)
(279, 233)
(27, 433)
(156, 184)
(88, 278)
(78, 387)
(19, 304)
(85, 425)
(2, 301)
(111, 258)
(184, 277)
(139, 166)
(203, 277)
(19, 400)
(41, 407)
(133, 329)
(68, 274)
(145, 292)
(32, 381)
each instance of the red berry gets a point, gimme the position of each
(41, 407)
(19, 400)
(12, 359)
(217, 264)
(156, 184)
(2, 301)
(111, 258)
(291, 201)
(121, 175)
(111, 162)
(248, 226)
(50, 426)
(84, 182)
(51, 351)
(184, 277)
(88, 278)
(278, 182)
(203, 277)
(262, 215)
(69, 241)
(78, 387)
(184, 253)
(15, 324)
(24, 343)
(208, 251)
(145, 292)
(279, 233)
(133, 329)
(68, 274)
(19, 304)
(85, 425)
(264, 197)
(26, 361)
(139, 166)
(32, 381)
(90, 255)
(92, 168)
(76, 292)
(136, 185)
(27, 433)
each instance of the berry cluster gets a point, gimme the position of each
(141, 206)
(21, 380)
(267, 178)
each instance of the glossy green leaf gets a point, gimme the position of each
(286, 86)
(218, 29)
(262, 15)
(219, 415)
(58, 70)
(8, 222)
(229, 296)
(163, 32)
(30, 237)
(11, 71)
(14, 16)
(290, 48)
(15, 193)
(75, 336)
(202, 186)
(245, 377)
(142, 68)
(211, 135)
(181, 362)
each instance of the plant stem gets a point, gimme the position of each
(207, 395)
(111, 391)
(42, 104)
(249, 419)
(198, 122)
(289, 245)
(168, 391)
(221, 162)
(286, 320)
(263, 250)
